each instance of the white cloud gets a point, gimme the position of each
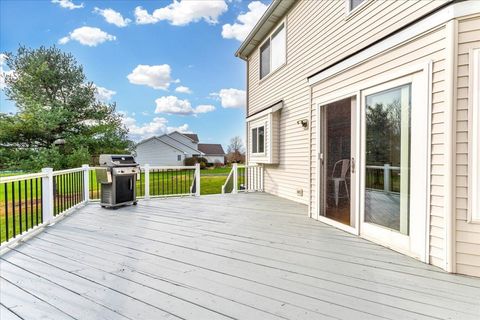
(204, 108)
(183, 89)
(88, 36)
(3, 72)
(183, 12)
(246, 21)
(232, 98)
(104, 94)
(157, 77)
(68, 4)
(156, 127)
(113, 17)
(173, 105)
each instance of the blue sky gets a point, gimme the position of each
(141, 52)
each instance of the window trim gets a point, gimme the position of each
(473, 215)
(351, 12)
(269, 38)
(179, 157)
(256, 127)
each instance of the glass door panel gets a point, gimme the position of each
(335, 161)
(387, 158)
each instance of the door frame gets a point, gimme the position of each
(355, 90)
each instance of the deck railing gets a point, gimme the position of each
(31, 201)
(381, 176)
(244, 178)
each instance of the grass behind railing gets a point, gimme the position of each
(22, 200)
(211, 183)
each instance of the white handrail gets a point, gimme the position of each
(168, 167)
(22, 177)
(59, 172)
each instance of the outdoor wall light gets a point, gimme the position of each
(303, 123)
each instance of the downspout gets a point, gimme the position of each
(451, 50)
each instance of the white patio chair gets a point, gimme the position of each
(345, 163)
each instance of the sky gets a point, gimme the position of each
(168, 64)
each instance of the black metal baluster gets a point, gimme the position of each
(84, 196)
(6, 212)
(75, 187)
(26, 203)
(13, 210)
(41, 192)
(31, 203)
(163, 182)
(36, 201)
(20, 206)
(176, 181)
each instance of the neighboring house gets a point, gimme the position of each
(173, 148)
(212, 152)
(369, 113)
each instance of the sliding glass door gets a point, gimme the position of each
(394, 164)
(337, 190)
(387, 158)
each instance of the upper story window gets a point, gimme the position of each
(352, 4)
(273, 53)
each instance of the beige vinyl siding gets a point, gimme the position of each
(318, 34)
(427, 47)
(467, 245)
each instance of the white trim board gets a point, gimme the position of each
(451, 12)
(277, 106)
(474, 138)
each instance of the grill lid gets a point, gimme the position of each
(115, 160)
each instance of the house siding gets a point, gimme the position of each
(314, 31)
(157, 153)
(467, 244)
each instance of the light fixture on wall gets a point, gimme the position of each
(303, 123)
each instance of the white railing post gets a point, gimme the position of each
(147, 180)
(386, 177)
(235, 178)
(47, 195)
(262, 170)
(86, 178)
(197, 179)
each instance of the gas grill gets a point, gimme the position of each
(117, 175)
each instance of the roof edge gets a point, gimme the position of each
(271, 8)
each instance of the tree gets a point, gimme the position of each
(235, 150)
(55, 101)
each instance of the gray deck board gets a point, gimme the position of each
(246, 256)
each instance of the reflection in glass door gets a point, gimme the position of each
(387, 159)
(336, 161)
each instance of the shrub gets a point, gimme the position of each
(194, 160)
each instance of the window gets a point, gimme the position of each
(179, 157)
(273, 52)
(352, 4)
(475, 136)
(258, 140)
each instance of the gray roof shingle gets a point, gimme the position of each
(211, 149)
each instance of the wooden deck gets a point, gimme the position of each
(246, 256)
